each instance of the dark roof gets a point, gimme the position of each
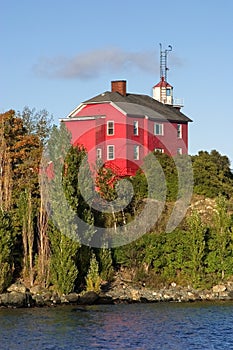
(135, 104)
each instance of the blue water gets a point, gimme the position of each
(136, 326)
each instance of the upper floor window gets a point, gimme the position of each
(135, 127)
(111, 152)
(136, 152)
(158, 129)
(179, 131)
(179, 150)
(110, 128)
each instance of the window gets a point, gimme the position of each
(111, 152)
(161, 150)
(158, 129)
(179, 131)
(99, 153)
(179, 150)
(136, 152)
(135, 127)
(168, 92)
(110, 130)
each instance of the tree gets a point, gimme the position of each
(26, 215)
(6, 250)
(79, 189)
(197, 242)
(105, 181)
(93, 279)
(212, 174)
(37, 123)
(43, 243)
(161, 174)
(63, 232)
(63, 269)
(219, 259)
(106, 264)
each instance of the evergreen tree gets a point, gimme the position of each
(220, 260)
(79, 190)
(106, 264)
(212, 174)
(63, 269)
(93, 279)
(197, 241)
(64, 238)
(6, 250)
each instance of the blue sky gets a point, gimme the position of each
(56, 54)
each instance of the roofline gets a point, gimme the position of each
(82, 118)
(74, 110)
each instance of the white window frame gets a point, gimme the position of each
(161, 150)
(136, 151)
(161, 129)
(112, 128)
(135, 127)
(99, 153)
(179, 131)
(179, 150)
(110, 151)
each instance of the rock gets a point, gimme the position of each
(104, 299)
(47, 296)
(17, 287)
(16, 299)
(88, 298)
(230, 295)
(135, 296)
(54, 298)
(72, 298)
(224, 296)
(219, 288)
(38, 290)
(38, 300)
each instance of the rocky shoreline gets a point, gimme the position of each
(18, 296)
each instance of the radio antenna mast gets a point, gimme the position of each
(163, 62)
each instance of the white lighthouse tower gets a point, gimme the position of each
(163, 91)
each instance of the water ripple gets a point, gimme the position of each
(164, 326)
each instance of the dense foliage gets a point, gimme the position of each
(49, 213)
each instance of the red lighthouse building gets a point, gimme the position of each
(121, 128)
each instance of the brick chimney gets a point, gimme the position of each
(119, 86)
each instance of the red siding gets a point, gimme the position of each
(92, 134)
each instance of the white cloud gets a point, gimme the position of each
(93, 63)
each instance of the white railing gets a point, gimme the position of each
(178, 102)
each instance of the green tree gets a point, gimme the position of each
(106, 181)
(220, 259)
(161, 174)
(64, 238)
(176, 253)
(197, 242)
(106, 264)
(79, 189)
(37, 123)
(93, 279)
(6, 250)
(63, 269)
(212, 174)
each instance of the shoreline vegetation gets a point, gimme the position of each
(43, 264)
